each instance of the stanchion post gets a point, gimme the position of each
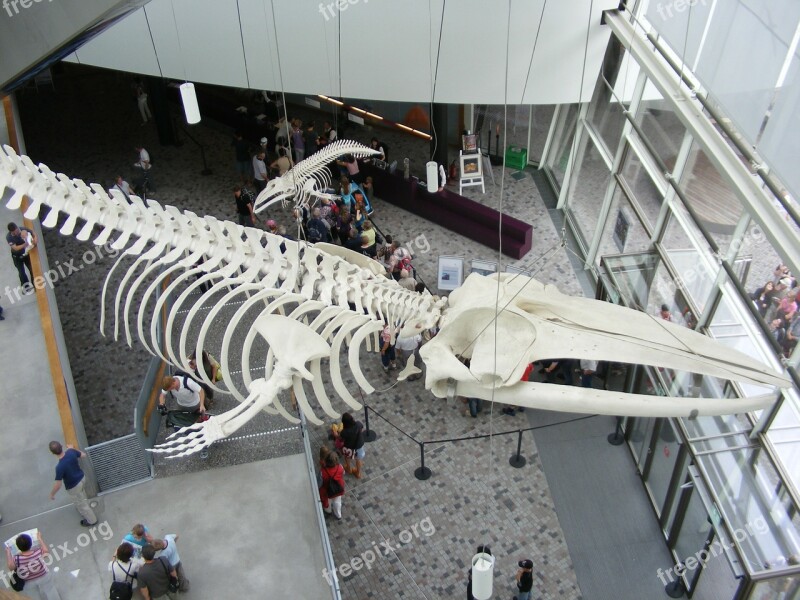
(517, 460)
(369, 434)
(616, 438)
(675, 589)
(422, 472)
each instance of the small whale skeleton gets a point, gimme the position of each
(321, 302)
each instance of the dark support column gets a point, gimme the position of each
(439, 125)
(162, 110)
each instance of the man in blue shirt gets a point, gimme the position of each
(69, 471)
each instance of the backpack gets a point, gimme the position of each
(121, 590)
(186, 376)
(333, 487)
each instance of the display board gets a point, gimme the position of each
(451, 272)
(482, 267)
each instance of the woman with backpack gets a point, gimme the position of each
(332, 489)
(124, 568)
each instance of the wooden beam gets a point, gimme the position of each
(53, 357)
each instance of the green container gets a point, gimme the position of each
(516, 157)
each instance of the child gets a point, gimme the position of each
(138, 537)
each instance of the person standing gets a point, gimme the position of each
(141, 101)
(242, 153)
(123, 186)
(139, 536)
(588, 368)
(387, 350)
(260, 176)
(524, 580)
(298, 141)
(154, 575)
(166, 548)
(407, 347)
(124, 566)
(144, 182)
(186, 391)
(310, 139)
(69, 471)
(282, 163)
(20, 247)
(331, 491)
(244, 206)
(352, 435)
(31, 567)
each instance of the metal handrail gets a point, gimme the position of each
(336, 592)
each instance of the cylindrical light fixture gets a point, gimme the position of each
(190, 107)
(432, 170)
(482, 575)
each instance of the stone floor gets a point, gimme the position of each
(88, 129)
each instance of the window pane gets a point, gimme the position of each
(623, 232)
(590, 178)
(562, 143)
(605, 113)
(540, 126)
(745, 482)
(696, 270)
(645, 193)
(716, 205)
(664, 131)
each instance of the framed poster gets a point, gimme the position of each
(483, 267)
(451, 272)
(469, 143)
(621, 227)
(471, 166)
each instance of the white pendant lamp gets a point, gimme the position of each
(482, 575)
(190, 107)
(432, 171)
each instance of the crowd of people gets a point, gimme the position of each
(344, 213)
(151, 565)
(776, 302)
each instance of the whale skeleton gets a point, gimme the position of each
(315, 303)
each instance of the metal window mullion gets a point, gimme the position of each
(608, 200)
(600, 145)
(550, 135)
(563, 196)
(677, 173)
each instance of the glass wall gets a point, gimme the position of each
(589, 181)
(541, 120)
(630, 220)
(561, 148)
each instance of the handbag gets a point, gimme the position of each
(333, 488)
(173, 581)
(17, 582)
